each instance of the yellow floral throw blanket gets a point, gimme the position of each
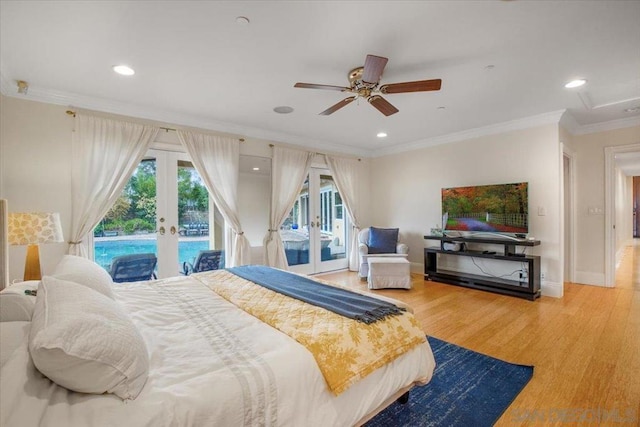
(345, 350)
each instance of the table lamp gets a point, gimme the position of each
(33, 229)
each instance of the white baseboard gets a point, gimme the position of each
(417, 267)
(552, 289)
(589, 278)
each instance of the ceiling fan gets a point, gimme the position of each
(364, 83)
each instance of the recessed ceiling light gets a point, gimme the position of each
(489, 67)
(124, 70)
(632, 110)
(440, 108)
(575, 83)
(283, 109)
(381, 135)
(242, 20)
(256, 169)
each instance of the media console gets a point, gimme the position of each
(528, 287)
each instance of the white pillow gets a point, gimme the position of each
(85, 272)
(16, 307)
(85, 341)
(12, 336)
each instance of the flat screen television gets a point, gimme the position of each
(498, 208)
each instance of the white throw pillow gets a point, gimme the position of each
(13, 335)
(85, 341)
(85, 272)
(15, 307)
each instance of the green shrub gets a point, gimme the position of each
(137, 224)
(116, 224)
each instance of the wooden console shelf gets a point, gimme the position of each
(528, 287)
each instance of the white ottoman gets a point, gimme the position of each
(388, 272)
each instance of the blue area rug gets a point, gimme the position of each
(467, 389)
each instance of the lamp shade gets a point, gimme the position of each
(34, 228)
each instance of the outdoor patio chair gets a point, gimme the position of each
(205, 261)
(133, 268)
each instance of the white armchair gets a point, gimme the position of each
(395, 250)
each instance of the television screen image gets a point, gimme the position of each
(499, 208)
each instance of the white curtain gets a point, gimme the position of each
(289, 168)
(347, 175)
(217, 160)
(104, 155)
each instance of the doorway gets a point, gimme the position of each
(315, 233)
(636, 198)
(568, 213)
(164, 209)
(613, 155)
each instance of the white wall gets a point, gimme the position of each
(253, 195)
(36, 147)
(623, 211)
(406, 188)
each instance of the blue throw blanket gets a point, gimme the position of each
(341, 301)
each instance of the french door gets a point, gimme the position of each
(164, 209)
(315, 233)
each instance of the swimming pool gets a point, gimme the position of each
(106, 250)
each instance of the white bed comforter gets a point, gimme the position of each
(211, 364)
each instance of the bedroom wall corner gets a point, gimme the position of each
(35, 141)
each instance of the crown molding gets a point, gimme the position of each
(513, 125)
(72, 101)
(569, 123)
(562, 117)
(606, 126)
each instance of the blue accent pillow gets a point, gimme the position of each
(382, 240)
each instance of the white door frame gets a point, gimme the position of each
(609, 211)
(166, 211)
(571, 156)
(333, 264)
(315, 264)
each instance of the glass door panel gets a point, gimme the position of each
(164, 209)
(295, 233)
(193, 214)
(314, 234)
(331, 224)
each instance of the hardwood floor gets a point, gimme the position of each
(585, 347)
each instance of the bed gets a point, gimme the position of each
(209, 362)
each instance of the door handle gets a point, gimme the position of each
(312, 224)
(172, 229)
(161, 231)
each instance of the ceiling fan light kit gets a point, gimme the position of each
(364, 83)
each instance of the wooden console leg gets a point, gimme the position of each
(404, 398)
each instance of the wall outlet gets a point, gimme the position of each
(542, 276)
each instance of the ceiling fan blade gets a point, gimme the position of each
(373, 67)
(382, 105)
(325, 87)
(418, 86)
(337, 106)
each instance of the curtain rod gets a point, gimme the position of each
(166, 129)
(318, 153)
